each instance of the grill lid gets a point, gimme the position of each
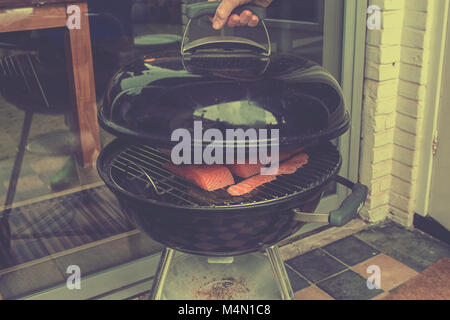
(150, 98)
(227, 83)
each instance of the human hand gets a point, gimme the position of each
(224, 17)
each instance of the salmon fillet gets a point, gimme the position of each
(250, 170)
(249, 184)
(293, 164)
(245, 170)
(207, 177)
(288, 167)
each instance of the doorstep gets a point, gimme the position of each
(315, 240)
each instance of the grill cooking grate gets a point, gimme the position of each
(138, 169)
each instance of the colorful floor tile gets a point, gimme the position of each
(348, 268)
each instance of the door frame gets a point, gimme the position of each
(352, 79)
(438, 47)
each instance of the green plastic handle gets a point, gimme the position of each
(351, 206)
(201, 9)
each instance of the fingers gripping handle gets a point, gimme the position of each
(201, 9)
(198, 10)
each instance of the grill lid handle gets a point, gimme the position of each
(348, 210)
(198, 10)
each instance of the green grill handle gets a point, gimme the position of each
(348, 210)
(351, 206)
(201, 9)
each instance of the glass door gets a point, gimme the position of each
(331, 33)
(62, 215)
(312, 29)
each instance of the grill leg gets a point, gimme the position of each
(19, 159)
(5, 231)
(280, 273)
(161, 273)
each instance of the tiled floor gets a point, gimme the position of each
(37, 170)
(341, 270)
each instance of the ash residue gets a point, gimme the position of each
(225, 289)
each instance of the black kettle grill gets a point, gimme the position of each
(228, 83)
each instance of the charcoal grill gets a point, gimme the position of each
(149, 98)
(182, 216)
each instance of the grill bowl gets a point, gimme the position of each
(214, 230)
(226, 234)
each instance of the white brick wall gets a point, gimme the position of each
(382, 73)
(395, 86)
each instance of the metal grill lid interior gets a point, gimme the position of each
(151, 97)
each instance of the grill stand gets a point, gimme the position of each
(161, 273)
(279, 270)
(276, 263)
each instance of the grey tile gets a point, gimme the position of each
(348, 286)
(351, 250)
(31, 194)
(3, 190)
(411, 247)
(316, 265)
(6, 167)
(297, 282)
(9, 145)
(29, 185)
(43, 164)
(47, 177)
